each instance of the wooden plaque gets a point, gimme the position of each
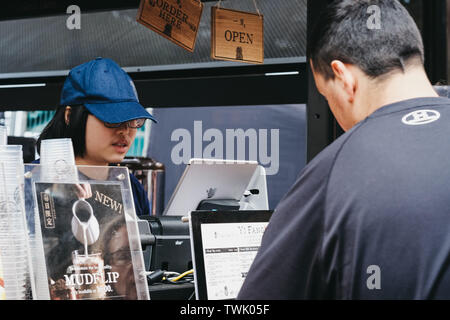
(237, 35)
(176, 20)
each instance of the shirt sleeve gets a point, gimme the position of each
(141, 203)
(288, 262)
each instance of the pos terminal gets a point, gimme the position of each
(206, 185)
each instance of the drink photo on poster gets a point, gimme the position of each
(85, 241)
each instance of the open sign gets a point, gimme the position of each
(237, 35)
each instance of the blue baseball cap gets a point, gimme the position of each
(105, 89)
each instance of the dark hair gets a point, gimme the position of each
(342, 33)
(75, 129)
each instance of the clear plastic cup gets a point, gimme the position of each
(19, 258)
(11, 168)
(18, 275)
(11, 155)
(3, 135)
(11, 147)
(16, 294)
(54, 150)
(16, 289)
(15, 267)
(57, 160)
(13, 231)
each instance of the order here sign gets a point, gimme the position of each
(176, 20)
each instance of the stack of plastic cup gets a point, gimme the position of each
(57, 165)
(57, 160)
(14, 248)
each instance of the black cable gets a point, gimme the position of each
(155, 276)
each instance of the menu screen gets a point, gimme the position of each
(228, 251)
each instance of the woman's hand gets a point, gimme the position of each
(83, 191)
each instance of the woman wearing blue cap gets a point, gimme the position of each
(100, 111)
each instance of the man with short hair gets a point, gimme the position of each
(369, 217)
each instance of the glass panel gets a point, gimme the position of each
(46, 44)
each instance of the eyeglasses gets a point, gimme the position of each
(119, 258)
(134, 124)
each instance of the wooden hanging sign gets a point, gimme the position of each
(237, 35)
(176, 20)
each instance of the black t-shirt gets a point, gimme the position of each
(369, 217)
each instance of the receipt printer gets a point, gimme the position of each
(165, 243)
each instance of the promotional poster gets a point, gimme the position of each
(86, 246)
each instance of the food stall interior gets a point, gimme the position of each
(272, 111)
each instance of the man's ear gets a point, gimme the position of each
(67, 115)
(345, 75)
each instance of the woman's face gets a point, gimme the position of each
(105, 145)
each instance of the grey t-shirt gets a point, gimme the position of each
(369, 217)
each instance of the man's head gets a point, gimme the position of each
(351, 54)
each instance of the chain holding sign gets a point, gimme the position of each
(237, 35)
(176, 20)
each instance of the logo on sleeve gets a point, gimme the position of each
(420, 117)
